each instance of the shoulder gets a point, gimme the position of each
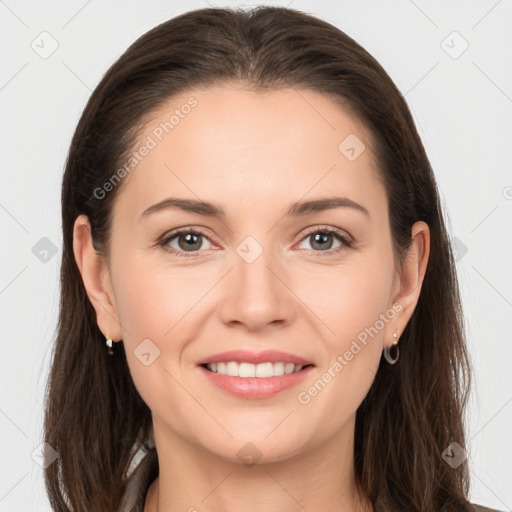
(481, 508)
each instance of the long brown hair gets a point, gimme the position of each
(94, 416)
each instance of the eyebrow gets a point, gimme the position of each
(296, 210)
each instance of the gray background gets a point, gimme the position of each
(462, 104)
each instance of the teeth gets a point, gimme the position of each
(263, 370)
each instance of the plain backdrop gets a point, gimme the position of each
(451, 60)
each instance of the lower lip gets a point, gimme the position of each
(255, 387)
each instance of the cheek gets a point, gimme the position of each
(141, 304)
(150, 304)
(347, 299)
(351, 304)
(158, 302)
(151, 297)
(354, 302)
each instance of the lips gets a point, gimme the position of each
(249, 387)
(254, 388)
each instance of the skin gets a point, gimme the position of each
(254, 154)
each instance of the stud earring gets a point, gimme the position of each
(108, 342)
(392, 353)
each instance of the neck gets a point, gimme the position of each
(312, 480)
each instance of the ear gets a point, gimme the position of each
(410, 280)
(96, 277)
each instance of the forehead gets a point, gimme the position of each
(234, 143)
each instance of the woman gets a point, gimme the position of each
(265, 371)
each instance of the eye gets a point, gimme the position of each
(322, 240)
(184, 241)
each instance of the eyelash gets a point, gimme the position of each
(346, 242)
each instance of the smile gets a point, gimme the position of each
(261, 371)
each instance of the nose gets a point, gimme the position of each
(256, 295)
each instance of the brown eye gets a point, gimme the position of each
(189, 241)
(185, 241)
(323, 240)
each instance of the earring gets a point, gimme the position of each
(108, 342)
(391, 354)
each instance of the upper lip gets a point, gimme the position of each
(247, 356)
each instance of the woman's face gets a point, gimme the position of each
(264, 275)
